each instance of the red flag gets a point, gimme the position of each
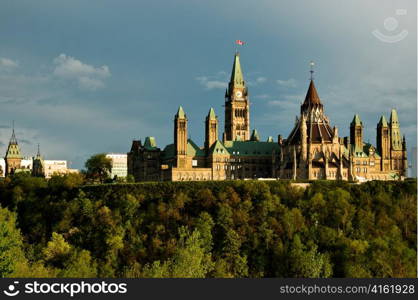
(239, 42)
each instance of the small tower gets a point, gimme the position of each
(211, 129)
(383, 143)
(38, 169)
(404, 157)
(255, 137)
(395, 134)
(303, 139)
(356, 132)
(237, 106)
(13, 157)
(395, 141)
(180, 138)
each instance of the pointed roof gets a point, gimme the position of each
(193, 149)
(211, 114)
(38, 154)
(270, 139)
(13, 150)
(150, 143)
(356, 121)
(382, 122)
(180, 113)
(312, 96)
(218, 148)
(237, 79)
(255, 136)
(13, 140)
(393, 116)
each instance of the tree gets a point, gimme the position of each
(98, 167)
(308, 263)
(191, 260)
(10, 243)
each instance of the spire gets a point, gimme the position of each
(254, 136)
(180, 113)
(211, 114)
(356, 121)
(382, 122)
(393, 116)
(237, 79)
(312, 97)
(39, 151)
(13, 140)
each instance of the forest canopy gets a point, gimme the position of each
(62, 228)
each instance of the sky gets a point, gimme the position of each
(84, 77)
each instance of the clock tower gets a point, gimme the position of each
(237, 106)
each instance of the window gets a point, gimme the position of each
(194, 163)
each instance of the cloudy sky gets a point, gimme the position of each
(83, 77)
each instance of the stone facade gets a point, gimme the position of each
(313, 149)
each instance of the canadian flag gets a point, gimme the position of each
(239, 42)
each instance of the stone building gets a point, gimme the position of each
(13, 156)
(238, 156)
(313, 149)
(14, 163)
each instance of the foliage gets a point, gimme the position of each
(98, 168)
(206, 229)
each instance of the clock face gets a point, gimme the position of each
(238, 94)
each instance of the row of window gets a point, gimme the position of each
(364, 170)
(365, 163)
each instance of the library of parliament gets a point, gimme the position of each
(312, 150)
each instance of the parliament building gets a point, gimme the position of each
(312, 150)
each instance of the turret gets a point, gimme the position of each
(13, 157)
(211, 129)
(255, 136)
(180, 138)
(356, 132)
(38, 169)
(382, 138)
(395, 133)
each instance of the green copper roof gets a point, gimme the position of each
(193, 149)
(255, 136)
(218, 148)
(364, 151)
(383, 122)
(251, 148)
(356, 120)
(394, 116)
(150, 143)
(180, 113)
(237, 79)
(212, 115)
(168, 152)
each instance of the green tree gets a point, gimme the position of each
(191, 260)
(10, 243)
(98, 167)
(57, 250)
(308, 263)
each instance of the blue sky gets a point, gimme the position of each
(83, 77)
